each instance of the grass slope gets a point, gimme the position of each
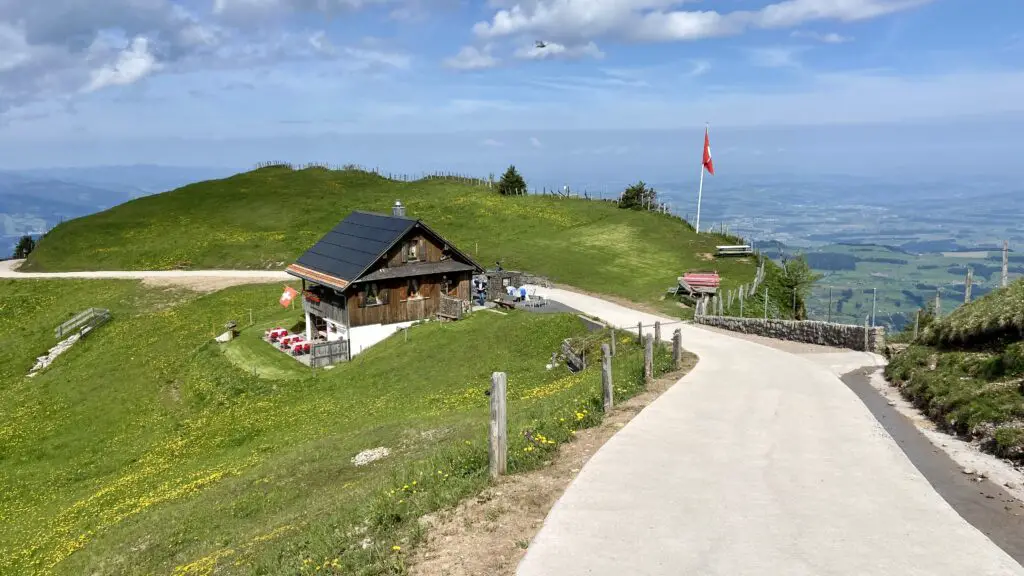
(267, 217)
(149, 449)
(967, 371)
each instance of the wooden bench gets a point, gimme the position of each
(699, 283)
(738, 250)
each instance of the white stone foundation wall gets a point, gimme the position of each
(810, 331)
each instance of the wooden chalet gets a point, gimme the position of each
(379, 269)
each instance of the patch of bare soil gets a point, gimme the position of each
(706, 256)
(488, 535)
(200, 284)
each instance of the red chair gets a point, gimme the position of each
(306, 347)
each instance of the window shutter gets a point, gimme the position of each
(405, 252)
(421, 254)
(362, 299)
(383, 295)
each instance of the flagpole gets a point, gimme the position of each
(700, 189)
(700, 192)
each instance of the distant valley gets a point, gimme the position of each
(33, 201)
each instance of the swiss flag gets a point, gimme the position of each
(287, 296)
(708, 164)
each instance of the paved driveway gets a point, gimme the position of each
(758, 462)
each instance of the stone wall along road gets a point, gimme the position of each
(810, 331)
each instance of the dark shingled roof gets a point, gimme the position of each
(354, 244)
(357, 242)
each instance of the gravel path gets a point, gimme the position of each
(757, 462)
(204, 280)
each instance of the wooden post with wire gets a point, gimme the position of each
(606, 377)
(611, 341)
(497, 447)
(657, 333)
(677, 349)
(648, 358)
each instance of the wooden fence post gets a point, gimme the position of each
(657, 333)
(497, 447)
(867, 342)
(640, 332)
(611, 341)
(606, 377)
(648, 358)
(917, 323)
(1005, 279)
(677, 349)
(967, 285)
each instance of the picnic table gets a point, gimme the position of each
(699, 283)
(505, 302)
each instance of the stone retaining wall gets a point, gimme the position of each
(809, 331)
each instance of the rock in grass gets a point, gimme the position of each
(371, 455)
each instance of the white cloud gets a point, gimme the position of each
(776, 56)
(471, 58)
(535, 142)
(653, 20)
(492, 143)
(133, 63)
(246, 9)
(14, 48)
(827, 38)
(556, 50)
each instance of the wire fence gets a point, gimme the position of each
(563, 192)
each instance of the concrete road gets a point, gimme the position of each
(8, 269)
(758, 462)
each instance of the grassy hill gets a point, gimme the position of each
(967, 371)
(267, 217)
(150, 449)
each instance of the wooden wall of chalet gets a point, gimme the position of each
(399, 308)
(429, 251)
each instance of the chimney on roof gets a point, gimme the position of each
(398, 209)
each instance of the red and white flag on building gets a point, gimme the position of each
(287, 296)
(709, 165)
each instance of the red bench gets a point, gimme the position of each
(697, 283)
(703, 279)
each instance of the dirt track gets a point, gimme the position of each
(198, 280)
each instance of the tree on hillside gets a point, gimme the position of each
(638, 196)
(511, 183)
(26, 244)
(796, 279)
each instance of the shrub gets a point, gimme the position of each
(512, 183)
(638, 196)
(26, 244)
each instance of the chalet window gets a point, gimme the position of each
(374, 297)
(412, 251)
(450, 288)
(413, 289)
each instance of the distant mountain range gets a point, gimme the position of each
(33, 201)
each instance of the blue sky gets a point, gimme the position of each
(173, 81)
